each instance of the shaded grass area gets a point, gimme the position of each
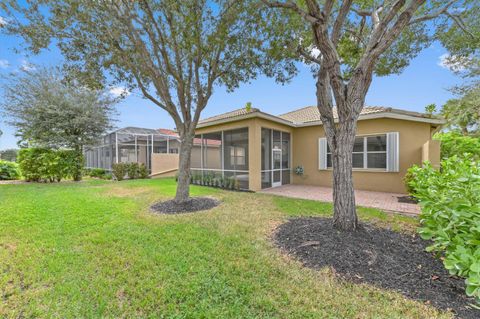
(93, 249)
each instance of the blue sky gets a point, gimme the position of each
(425, 81)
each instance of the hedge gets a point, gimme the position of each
(47, 165)
(9, 170)
(453, 143)
(450, 202)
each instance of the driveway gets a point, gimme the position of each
(385, 201)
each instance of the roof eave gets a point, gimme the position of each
(378, 115)
(259, 114)
(276, 119)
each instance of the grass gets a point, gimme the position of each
(93, 249)
(296, 208)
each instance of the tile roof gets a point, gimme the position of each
(166, 131)
(228, 115)
(311, 114)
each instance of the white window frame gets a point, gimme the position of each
(389, 167)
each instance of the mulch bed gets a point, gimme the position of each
(195, 204)
(407, 199)
(382, 257)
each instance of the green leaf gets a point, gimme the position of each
(475, 267)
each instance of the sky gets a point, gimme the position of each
(423, 82)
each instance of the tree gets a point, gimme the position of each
(174, 52)
(355, 40)
(464, 112)
(9, 155)
(430, 109)
(50, 111)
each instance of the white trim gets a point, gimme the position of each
(365, 153)
(393, 165)
(322, 153)
(279, 183)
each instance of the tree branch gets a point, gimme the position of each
(337, 26)
(433, 15)
(293, 6)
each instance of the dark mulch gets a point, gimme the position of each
(195, 204)
(381, 257)
(407, 199)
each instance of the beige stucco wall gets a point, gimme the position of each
(164, 165)
(431, 152)
(412, 137)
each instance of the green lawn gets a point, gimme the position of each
(93, 249)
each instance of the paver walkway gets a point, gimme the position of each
(384, 201)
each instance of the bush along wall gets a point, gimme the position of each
(120, 171)
(47, 165)
(450, 202)
(9, 170)
(214, 180)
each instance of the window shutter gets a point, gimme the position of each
(393, 152)
(322, 153)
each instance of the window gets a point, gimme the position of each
(369, 152)
(376, 151)
(237, 155)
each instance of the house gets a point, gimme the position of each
(261, 150)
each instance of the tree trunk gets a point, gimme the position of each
(344, 214)
(341, 138)
(183, 185)
(78, 166)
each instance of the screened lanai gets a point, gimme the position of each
(130, 145)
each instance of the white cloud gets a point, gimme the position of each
(27, 66)
(3, 21)
(451, 63)
(314, 52)
(119, 91)
(4, 64)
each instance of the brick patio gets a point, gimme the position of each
(384, 201)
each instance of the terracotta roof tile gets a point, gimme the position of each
(166, 131)
(308, 114)
(228, 115)
(311, 114)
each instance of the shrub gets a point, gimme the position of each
(143, 171)
(87, 171)
(107, 176)
(450, 201)
(97, 172)
(409, 179)
(119, 170)
(46, 165)
(453, 143)
(9, 170)
(132, 170)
